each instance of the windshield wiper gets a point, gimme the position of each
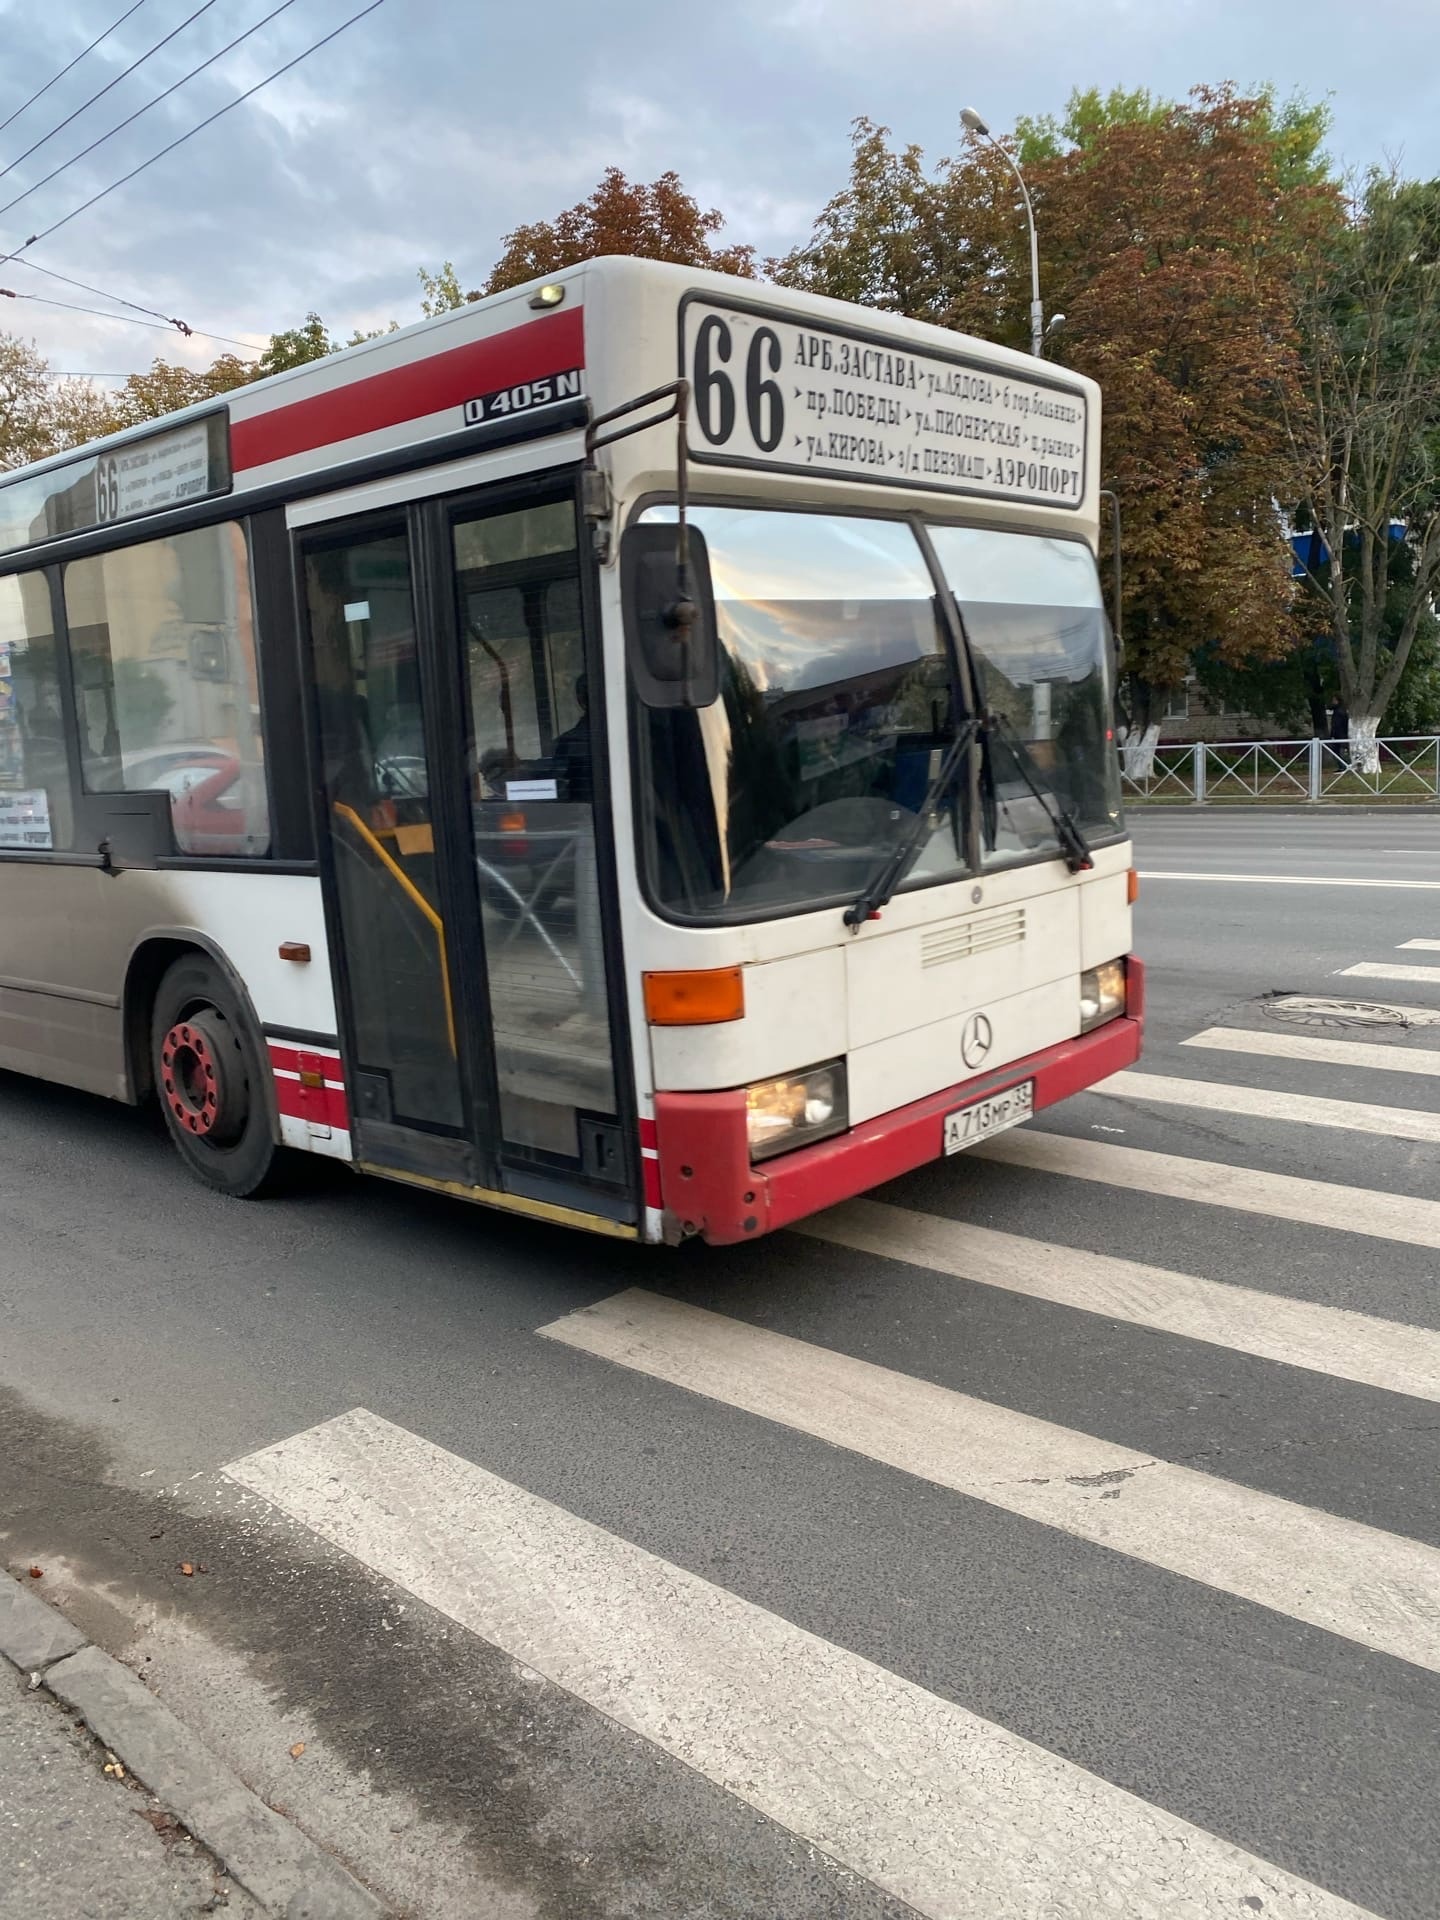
(867, 905)
(1073, 844)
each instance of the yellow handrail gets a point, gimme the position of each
(417, 899)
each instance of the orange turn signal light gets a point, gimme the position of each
(1132, 887)
(701, 999)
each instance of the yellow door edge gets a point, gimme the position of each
(509, 1202)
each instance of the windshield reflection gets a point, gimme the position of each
(835, 709)
(1035, 621)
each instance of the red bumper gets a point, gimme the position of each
(709, 1187)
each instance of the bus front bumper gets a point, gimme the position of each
(708, 1186)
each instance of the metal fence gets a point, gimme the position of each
(1305, 771)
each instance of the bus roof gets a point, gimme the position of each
(799, 383)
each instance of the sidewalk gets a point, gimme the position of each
(77, 1843)
(82, 1741)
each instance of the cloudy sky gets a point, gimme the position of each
(431, 127)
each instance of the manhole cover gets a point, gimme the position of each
(1306, 1010)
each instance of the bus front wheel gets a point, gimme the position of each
(208, 1070)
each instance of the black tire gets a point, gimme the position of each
(209, 1076)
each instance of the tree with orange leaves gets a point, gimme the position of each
(656, 222)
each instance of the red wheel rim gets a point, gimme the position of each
(190, 1078)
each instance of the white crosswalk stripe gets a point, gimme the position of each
(929, 1801)
(1424, 946)
(1373, 1587)
(1213, 1183)
(1322, 1048)
(1263, 1103)
(1393, 970)
(1331, 1340)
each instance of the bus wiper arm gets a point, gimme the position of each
(887, 877)
(1073, 844)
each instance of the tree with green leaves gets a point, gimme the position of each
(440, 291)
(1365, 430)
(40, 414)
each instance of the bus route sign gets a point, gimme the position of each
(772, 391)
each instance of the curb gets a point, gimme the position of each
(272, 1860)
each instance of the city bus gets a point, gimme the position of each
(635, 751)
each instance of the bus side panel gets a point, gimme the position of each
(68, 936)
(64, 941)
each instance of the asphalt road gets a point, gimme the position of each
(682, 1608)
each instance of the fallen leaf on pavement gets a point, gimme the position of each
(162, 1822)
(186, 1568)
(297, 1750)
(37, 1573)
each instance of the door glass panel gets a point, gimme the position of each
(377, 784)
(518, 586)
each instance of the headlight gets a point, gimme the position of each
(1102, 994)
(796, 1109)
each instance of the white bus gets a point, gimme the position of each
(635, 751)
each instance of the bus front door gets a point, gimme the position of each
(459, 789)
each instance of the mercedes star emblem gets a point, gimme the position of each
(975, 1040)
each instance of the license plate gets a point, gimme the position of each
(993, 1115)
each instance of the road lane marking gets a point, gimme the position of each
(1425, 946)
(1331, 1052)
(1264, 1103)
(927, 1800)
(1340, 1575)
(1211, 1183)
(1330, 1340)
(1294, 880)
(1393, 970)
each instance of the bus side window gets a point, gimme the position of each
(36, 814)
(162, 648)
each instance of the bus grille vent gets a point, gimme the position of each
(964, 939)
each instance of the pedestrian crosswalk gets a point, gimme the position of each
(906, 1782)
(930, 1802)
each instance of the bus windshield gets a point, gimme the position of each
(837, 703)
(836, 706)
(1035, 622)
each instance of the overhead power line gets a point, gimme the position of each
(160, 326)
(209, 121)
(132, 118)
(41, 91)
(104, 293)
(203, 8)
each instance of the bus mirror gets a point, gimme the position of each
(670, 636)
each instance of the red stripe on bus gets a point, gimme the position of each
(553, 344)
(648, 1136)
(298, 1059)
(324, 1106)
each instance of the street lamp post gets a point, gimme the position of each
(969, 118)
